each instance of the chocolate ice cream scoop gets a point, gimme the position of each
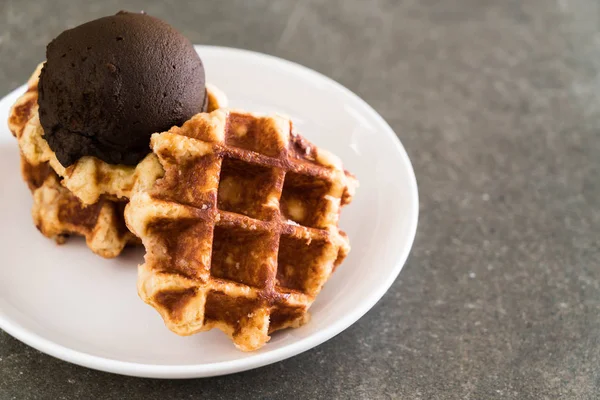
(108, 84)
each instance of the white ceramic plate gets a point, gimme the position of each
(74, 305)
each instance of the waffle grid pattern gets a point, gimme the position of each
(241, 232)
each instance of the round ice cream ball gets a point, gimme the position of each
(109, 84)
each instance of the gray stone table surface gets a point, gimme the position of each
(498, 105)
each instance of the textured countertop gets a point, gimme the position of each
(498, 106)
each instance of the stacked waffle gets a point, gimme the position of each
(237, 212)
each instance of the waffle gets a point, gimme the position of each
(241, 232)
(85, 199)
(57, 213)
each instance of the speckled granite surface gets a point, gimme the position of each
(498, 105)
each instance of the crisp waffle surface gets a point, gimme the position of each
(58, 214)
(85, 199)
(241, 232)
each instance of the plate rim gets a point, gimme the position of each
(166, 371)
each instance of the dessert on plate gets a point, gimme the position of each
(122, 142)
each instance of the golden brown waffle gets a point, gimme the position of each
(242, 231)
(87, 198)
(57, 213)
(25, 106)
